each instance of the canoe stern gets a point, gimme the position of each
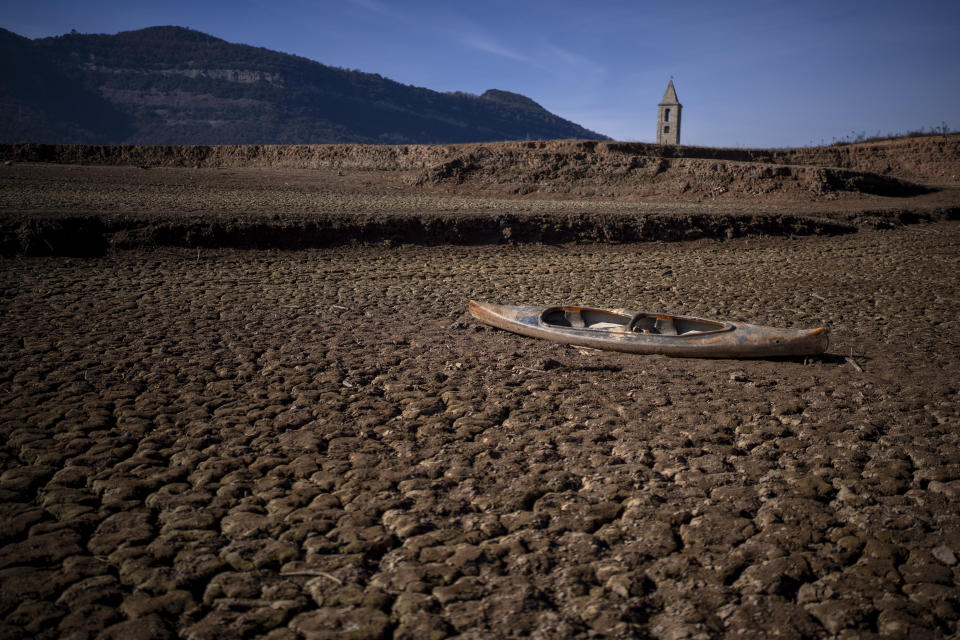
(753, 341)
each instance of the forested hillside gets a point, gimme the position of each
(170, 85)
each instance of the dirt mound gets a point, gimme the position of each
(491, 170)
(932, 160)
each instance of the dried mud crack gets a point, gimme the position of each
(205, 434)
(243, 443)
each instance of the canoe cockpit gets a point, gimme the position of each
(641, 323)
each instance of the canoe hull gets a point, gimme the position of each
(733, 340)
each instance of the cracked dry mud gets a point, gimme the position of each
(322, 444)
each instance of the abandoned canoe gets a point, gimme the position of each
(641, 332)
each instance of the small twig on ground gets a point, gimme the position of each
(530, 369)
(252, 603)
(854, 363)
(822, 299)
(313, 572)
(336, 306)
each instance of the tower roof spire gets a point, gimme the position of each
(670, 95)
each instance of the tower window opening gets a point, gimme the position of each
(666, 115)
(666, 129)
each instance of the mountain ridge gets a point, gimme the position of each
(173, 85)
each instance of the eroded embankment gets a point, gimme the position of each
(930, 159)
(899, 169)
(55, 215)
(94, 235)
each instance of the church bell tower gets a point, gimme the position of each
(668, 117)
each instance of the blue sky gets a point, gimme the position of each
(749, 73)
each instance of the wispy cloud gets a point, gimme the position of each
(544, 56)
(488, 45)
(450, 25)
(569, 60)
(372, 5)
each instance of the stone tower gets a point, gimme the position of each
(668, 117)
